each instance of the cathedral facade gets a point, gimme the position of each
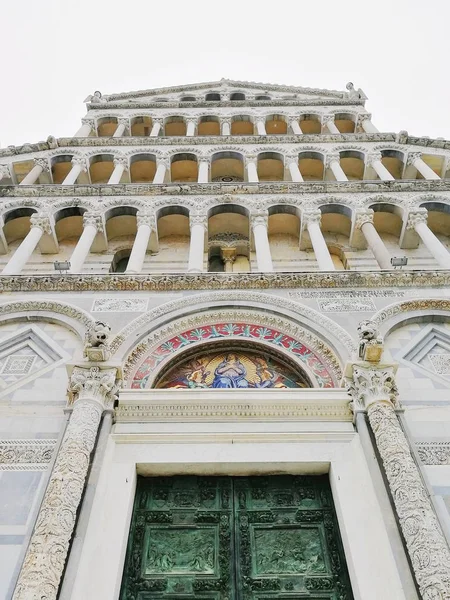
(225, 352)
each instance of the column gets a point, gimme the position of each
(365, 122)
(120, 164)
(226, 126)
(122, 126)
(261, 127)
(40, 165)
(252, 171)
(228, 257)
(190, 129)
(328, 122)
(78, 165)
(198, 225)
(296, 127)
(259, 224)
(364, 221)
(92, 224)
(373, 389)
(415, 159)
(86, 128)
(374, 161)
(203, 170)
(40, 224)
(160, 171)
(418, 221)
(92, 389)
(145, 224)
(4, 172)
(156, 127)
(333, 162)
(311, 220)
(294, 169)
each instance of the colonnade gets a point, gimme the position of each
(93, 224)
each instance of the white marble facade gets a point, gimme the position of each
(180, 209)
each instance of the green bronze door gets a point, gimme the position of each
(242, 538)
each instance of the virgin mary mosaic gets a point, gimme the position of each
(232, 370)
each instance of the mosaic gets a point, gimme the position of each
(235, 332)
(231, 370)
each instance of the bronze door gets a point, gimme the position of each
(234, 538)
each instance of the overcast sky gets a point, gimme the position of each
(56, 52)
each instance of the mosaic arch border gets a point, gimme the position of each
(341, 343)
(310, 353)
(394, 314)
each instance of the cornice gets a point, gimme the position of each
(225, 281)
(231, 103)
(215, 188)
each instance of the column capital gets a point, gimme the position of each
(4, 171)
(43, 164)
(94, 384)
(293, 158)
(146, 218)
(204, 159)
(198, 219)
(43, 221)
(123, 121)
(94, 219)
(259, 218)
(363, 117)
(193, 120)
(373, 157)
(332, 158)
(250, 159)
(363, 215)
(225, 120)
(80, 161)
(158, 120)
(163, 160)
(412, 157)
(371, 383)
(90, 122)
(121, 161)
(327, 119)
(416, 216)
(294, 119)
(310, 217)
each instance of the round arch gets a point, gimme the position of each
(395, 315)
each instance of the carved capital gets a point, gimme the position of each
(198, 219)
(419, 215)
(261, 218)
(121, 161)
(94, 219)
(331, 158)
(90, 122)
(193, 120)
(163, 160)
(80, 161)
(146, 218)
(310, 217)
(4, 171)
(93, 384)
(363, 216)
(327, 119)
(43, 164)
(250, 159)
(225, 120)
(42, 221)
(363, 117)
(124, 121)
(370, 384)
(412, 157)
(373, 157)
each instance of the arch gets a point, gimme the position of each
(120, 259)
(208, 125)
(106, 126)
(175, 126)
(353, 164)
(345, 122)
(310, 123)
(101, 167)
(61, 165)
(75, 319)
(336, 218)
(311, 165)
(141, 126)
(184, 167)
(394, 161)
(120, 221)
(270, 166)
(69, 222)
(438, 217)
(237, 96)
(387, 218)
(395, 315)
(276, 125)
(17, 223)
(142, 168)
(227, 166)
(262, 97)
(188, 99)
(212, 97)
(242, 125)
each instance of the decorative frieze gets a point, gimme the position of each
(120, 305)
(434, 453)
(345, 305)
(347, 294)
(26, 454)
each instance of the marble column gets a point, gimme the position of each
(260, 127)
(252, 170)
(146, 223)
(198, 224)
(120, 165)
(418, 221)
(311, 220)
(294, 169)
(226, 126)
(86, 128)
(122, 126)
(92, 224)
(415, 159)
(295, 126)
(162, 166)
(374, 161)
(40, 165)
(365, 122)
(228, 257)
(333, 163)
(259, 224)
(78, 165)
(156, 127)
(373, 389)
(92, 390)
(203, 171)
(364, 221)
(328, 122)
(190, 128)
(40, 224)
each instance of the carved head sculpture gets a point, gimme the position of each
(98, 334)
(370, 341)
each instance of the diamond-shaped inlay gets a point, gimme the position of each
(441, 363)
(18, 365)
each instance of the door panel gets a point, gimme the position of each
(242, 538)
